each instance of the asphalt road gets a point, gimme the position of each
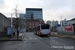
(34, 42)
(10, 45)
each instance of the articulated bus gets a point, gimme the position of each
(43, 29)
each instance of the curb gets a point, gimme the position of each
(12, 39)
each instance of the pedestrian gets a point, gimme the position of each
(17, 33)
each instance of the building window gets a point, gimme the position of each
(30, 27)
(30, 24)
(22, 20)
(33, 26)
(33, 23)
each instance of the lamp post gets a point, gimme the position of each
(3, 23)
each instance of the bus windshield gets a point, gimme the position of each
(46, 26)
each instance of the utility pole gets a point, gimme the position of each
(61, 24)
(11, 20)
(51, 25)
(11, 27)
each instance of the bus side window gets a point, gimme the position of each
(39, 28)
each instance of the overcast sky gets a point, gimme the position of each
(52, 9)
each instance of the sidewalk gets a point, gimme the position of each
(63, 35)
(12, 39)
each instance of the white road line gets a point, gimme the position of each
(40, 38)
(33, 38)
(30, 38)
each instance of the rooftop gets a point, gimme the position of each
(34, 9)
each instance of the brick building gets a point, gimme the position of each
(34, 17)
(31, 23)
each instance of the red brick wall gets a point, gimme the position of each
(36, 23)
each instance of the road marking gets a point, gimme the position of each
(34, 38)
(25, 38)
(30, 38)
(40, 38)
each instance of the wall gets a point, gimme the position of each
(63, 30)
(4, 22)
(71, 22)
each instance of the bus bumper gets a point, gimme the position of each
(44, 34)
